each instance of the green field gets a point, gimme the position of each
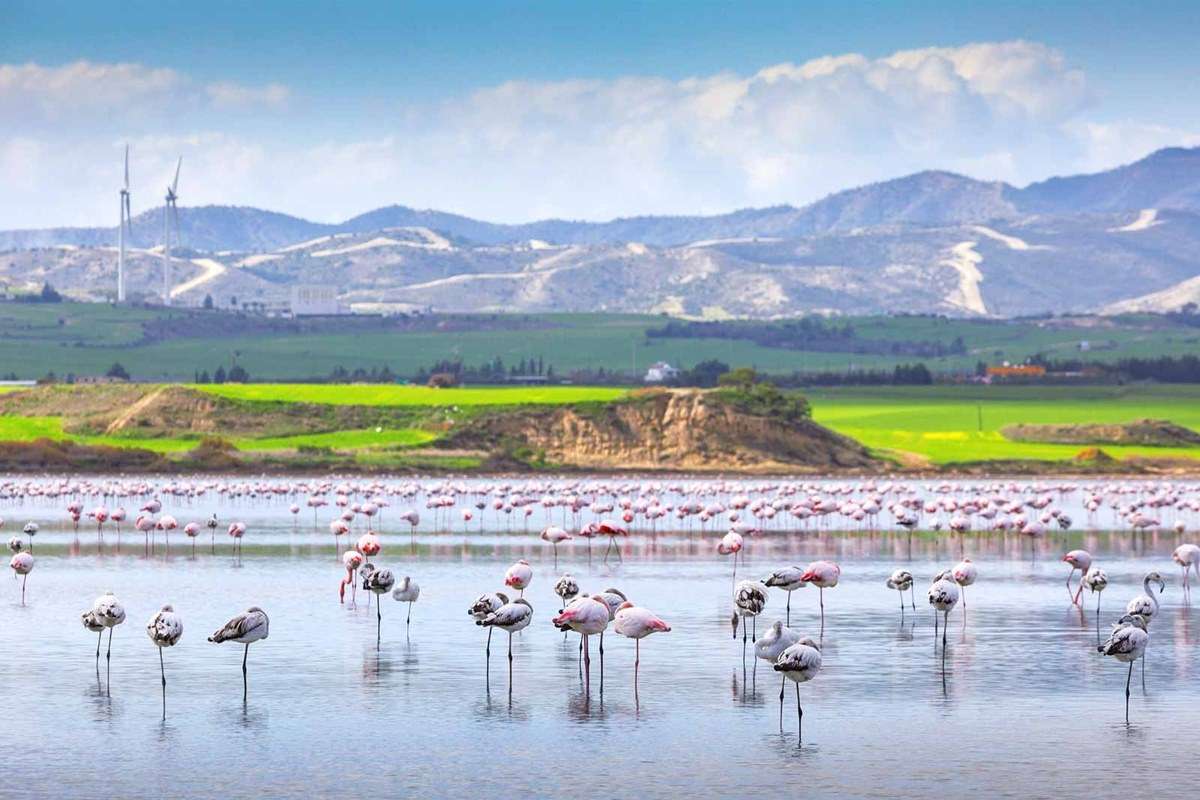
(85, 339)
(949, 424)
(392, 395)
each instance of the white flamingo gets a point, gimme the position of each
(407, 592)
(1187, 556)
(246, 628)
(165, 629)
(772, 644)
(800, 663)
(789, 579)
(901, 580)
(481, 609)
(510, 618)
(379, 582)
(1127, 644)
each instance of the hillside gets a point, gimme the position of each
(933, 242)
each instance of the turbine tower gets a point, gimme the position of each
(126, 224)
(170, 220)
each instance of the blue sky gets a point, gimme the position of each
(518, 110)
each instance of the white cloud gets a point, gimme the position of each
(1015, 111)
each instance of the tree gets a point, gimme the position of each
(238, 374)
(743, 377)
(705, 373)
(49, 295)
(219, 375)
(117, 371)
(208, 302)
(203, 378)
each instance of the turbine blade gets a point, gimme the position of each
(126, 167)
(175, 183)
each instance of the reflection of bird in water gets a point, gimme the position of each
(510, 618)
(789, 579)
(1127, 644)
(1187, 556)
(246, 628)
(901, 580)
(800, 663)
(772, 644)
(1079, 560)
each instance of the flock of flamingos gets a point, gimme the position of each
(613, 511)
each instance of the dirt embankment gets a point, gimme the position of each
(150, 411)
(681, 429)
(1144, 432)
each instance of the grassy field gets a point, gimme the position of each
(962, 423)
(393, 395)
(85, 339)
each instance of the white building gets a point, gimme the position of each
(315, 300)
(660, 372)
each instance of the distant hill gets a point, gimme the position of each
(931, 242)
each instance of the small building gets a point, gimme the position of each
(309, 300)
(660, 372)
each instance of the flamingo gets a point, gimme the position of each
(731, 544)
(964, 573)
(30, 530)
(943, 596)
(246, 628)
(789, 579)
(1096, 580)
(587, 616)
(237, 530)
(554, 535)
(211, 524)
(518, 576)
(510, 618)
(1127, 644)
(1146, 604)
(16, 544)
(612, 599)
(378, 581)
(407, 592)
(192, 530)
(637, 623)
(1187, 555)
(109, 612)
(824, 575)
(800, 663)
(777, 639)
(749, 599)
(165, 629)
(902, 581)
(612, 530)
(22, 564)
(481, 609)
(93, 624)
(352, 560)
(567, 588)
(1079, 560)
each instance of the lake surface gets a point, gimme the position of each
(1026, 706)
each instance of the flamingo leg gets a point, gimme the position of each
(789, 609)
(379, 623)
(245, 680)
(163, 671)
(799, 719)
(99, 634)
(601, 662)
(1128, 678)
(587, 667)
(510, 660)
(637, 661)
(911, 597)
(782, 686)
(1069, 575)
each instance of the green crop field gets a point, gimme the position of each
(391, 395)
(962, 423)
(174, 345)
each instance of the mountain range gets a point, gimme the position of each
(1122, 239)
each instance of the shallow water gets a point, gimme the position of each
(1026, 707)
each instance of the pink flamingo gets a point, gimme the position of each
(1079, 560)
(554, 535)
(352, 560)
(824, 575)
(22, 564)
(192, 530)
(637, 623)
(519, 576)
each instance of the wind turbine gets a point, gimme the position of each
(126, 224)
(170, 219)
